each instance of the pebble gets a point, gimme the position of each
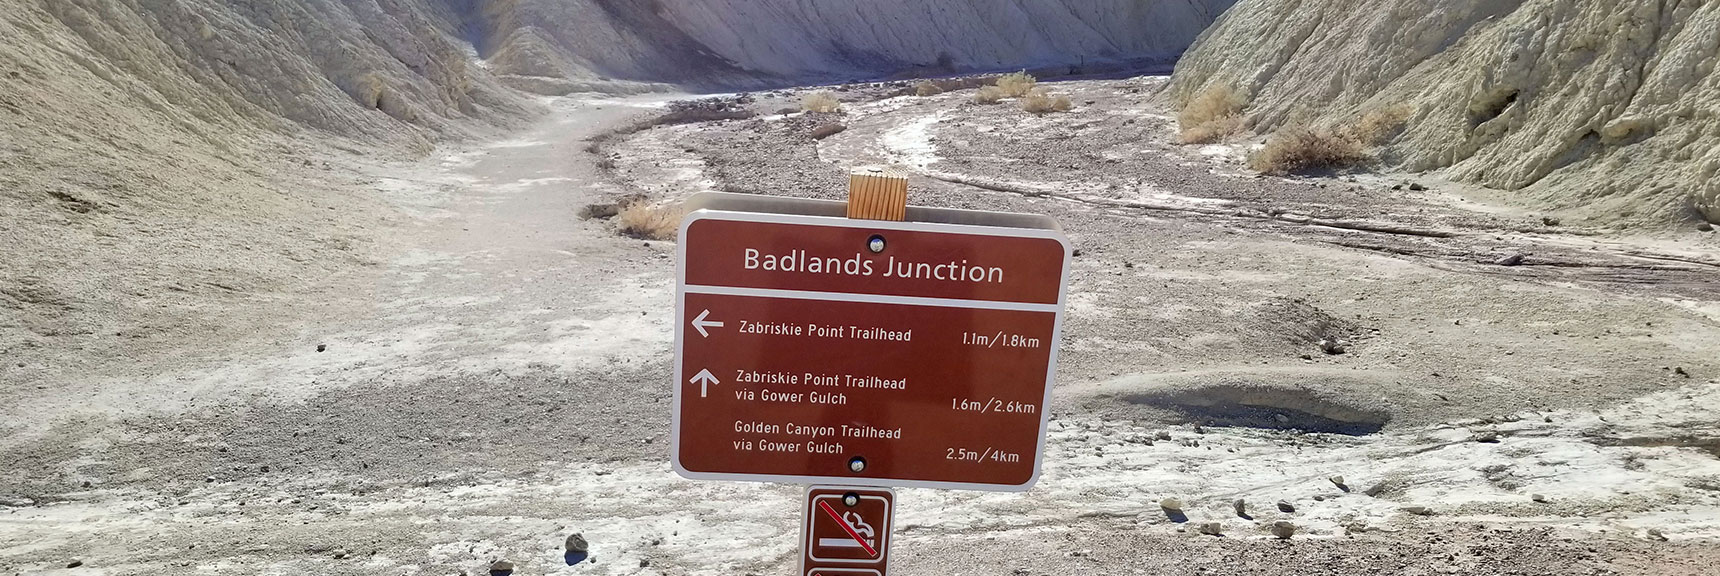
(1241, 507)
(1319, 498)
(1537, 498)
(1416, 186)
(1332, 347)
(502, 566)
(322, 347)
(1162, 435)
(1284, 506)
(1654, 534)
(644, 562)
(1510, 260)
(1377, 489)
(1487, 437)
(1418, 510)
(74, 563)
(1283, 530)
(1705, 227)
(1171, 504)
(1212, 529)
(1339, 482)
(576, 543)
(340, 554)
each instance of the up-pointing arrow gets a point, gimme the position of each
(701, 324)
(704, 379)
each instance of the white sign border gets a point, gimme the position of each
(837, 222)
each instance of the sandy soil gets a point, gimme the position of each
(501, 380)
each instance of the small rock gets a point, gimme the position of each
(1487, 437)
(1537, 498)
(576, 543)
(1212, 529)
(644, 562)
(502, 566)
(1319, 498)
(1549, 221)
(322, 347)
(1654, 534)
(1171, 504)
(1285, 507)
(1416, 186)
(1377, 489)
(1162, 435)
(1282, 419)
(1198, 429)
(1332, 347)
(1241, 507)
(1076, 252)
(1418, 510)
(1339, 482)
(74, 563)
(1680, 371)
(1510, 260)
(1283, 530)
(340, 554)
(1704, 227)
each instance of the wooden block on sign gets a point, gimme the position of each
(877, 195)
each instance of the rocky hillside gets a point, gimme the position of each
(585, 43)
(1608, 109)
(161, 157)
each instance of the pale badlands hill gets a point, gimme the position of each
(160, 161)
(1605, 109)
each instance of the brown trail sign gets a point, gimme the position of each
(813, 348)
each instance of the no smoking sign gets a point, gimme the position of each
(847, 531)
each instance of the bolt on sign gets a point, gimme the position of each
(817, 349)
(847, 531)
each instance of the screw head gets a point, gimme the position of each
(850, 499)
(875, 243)
(857, 464)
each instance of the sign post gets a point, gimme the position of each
(816, 348)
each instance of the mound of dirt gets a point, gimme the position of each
(1605, 109)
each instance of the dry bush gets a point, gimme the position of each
(988, 95)
(1016, 85)
(648, 221)
(1039, 102)
(927, 88)
(1212, 115)
(1302, 149)
(1215, 130)
(1378, 125)
(823, 101)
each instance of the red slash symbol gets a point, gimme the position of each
(846, 527)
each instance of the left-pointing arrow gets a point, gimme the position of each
(701, 324)
(704, 379)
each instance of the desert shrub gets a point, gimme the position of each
(1212, 115)
(988, 95)
(1215, 130)
(1377, 125)
(649, 221)
(927, 88)
(1016, 85)
(823, 101)
(1302, 149)
(1038, 101)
